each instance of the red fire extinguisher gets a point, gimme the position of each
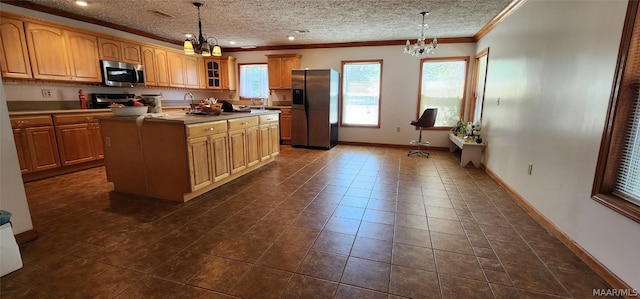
(83, 99)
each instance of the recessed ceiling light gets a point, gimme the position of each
(291, 37)
(81, 3)
(232, 42)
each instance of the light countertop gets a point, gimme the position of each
(191, 119)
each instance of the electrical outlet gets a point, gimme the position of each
(530, 168)
(107, 141)
(230, 97)
(397, 129)
(46, 93)
(498, 102)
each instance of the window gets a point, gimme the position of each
(361, 81)
(443, 84)
(617, 179)
(254, 81)
(477, 89)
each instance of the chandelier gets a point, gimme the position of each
(420, 49)
(201, 44)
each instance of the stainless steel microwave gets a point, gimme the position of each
(121, 74)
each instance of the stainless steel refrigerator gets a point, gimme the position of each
(314, 109)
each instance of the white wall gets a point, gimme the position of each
(12, 196)
(551, 63)
(400, 83)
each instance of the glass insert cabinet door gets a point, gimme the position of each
(213, 74)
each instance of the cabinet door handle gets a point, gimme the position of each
(245, 122)
(210, 129)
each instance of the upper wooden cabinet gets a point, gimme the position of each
(220, 73)
(280, 66)
(191, 71)
(162, 67)
(155, 66)
(183, 70)
(176, 64)
(116, 50)
(83, 57)
(48, 52)
(14, 57)
(58, 54)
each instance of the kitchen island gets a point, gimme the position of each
(178, 157)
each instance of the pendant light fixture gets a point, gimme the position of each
(200, 45)
(421, 49)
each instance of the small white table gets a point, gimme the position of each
(471, 152)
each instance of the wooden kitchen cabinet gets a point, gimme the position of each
(120, 51)
(285, 125)
(35, 143)
(191, 71)
(148, 56)
(220, 73)
(243, 143)
(176, 64)
(48, 52)
(207, 145)
(83, 57)
(79, 138)
(14, 56)
(279, 68)
(58, 54)
(269, 136)
(162, 68)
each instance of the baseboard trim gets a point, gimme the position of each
(26, 236)
(585, 256)
(405, 146)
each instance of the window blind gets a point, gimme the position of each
(628, 179)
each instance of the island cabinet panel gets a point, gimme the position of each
(269, 136)
(182, 157)
(200, 168)
(207, 150)
(14, 57)
(35, 143)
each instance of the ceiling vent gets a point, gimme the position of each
(161, 14)
(302, 31)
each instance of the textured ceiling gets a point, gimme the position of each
(269, 22)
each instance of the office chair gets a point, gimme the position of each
(428, 119)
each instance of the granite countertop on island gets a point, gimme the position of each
(187, 119)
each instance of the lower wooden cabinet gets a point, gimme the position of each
(243, 143)
(269, 136)
(79, 138)
(285, 125)
(35, 141)
(207, 154)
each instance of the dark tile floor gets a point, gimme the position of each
(352, 222)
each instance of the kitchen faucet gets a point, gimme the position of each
(192, 107)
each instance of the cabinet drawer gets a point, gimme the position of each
(31, 121)
(204, 129)
(241, 123)
(266, 119)
(67, 119)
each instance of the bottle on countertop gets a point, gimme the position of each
(83, 99)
